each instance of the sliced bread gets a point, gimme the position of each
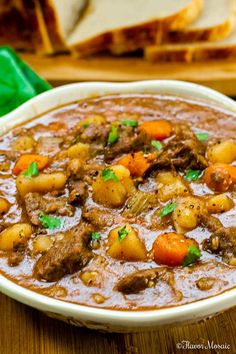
(126, 25)
(13, 24)
(199, 51)
(217, 21)
(60, 17)
(36, 23)
(22, 26)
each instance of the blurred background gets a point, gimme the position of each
(125, 40)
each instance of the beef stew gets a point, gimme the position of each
(122, 202)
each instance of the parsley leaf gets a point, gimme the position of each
(192, 175)
(32, 170)
(95, 236)
(156, 144)
(193, 255)
(130, 122)
(85, 126)
(122, 233)
(202, 136)
(108, 174)
(113, 135)
(50, 222)
(168, 208)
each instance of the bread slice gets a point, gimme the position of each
(12, 19)
(199, 51)
(60, 18)
(217, 21)
(126, 25)
(22, 26)
(36, 23)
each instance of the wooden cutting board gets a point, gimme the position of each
(220, 75)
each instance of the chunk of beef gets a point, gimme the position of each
(183, 151)
(223, 242)
(128, 142)
(36, 203)
(123, 145)
(10, 155)
(98, 217)
(94, 133)
(140, 280)
(78, 192)
(211, 222)
(141, 142)
(18, 252)
(66, 256)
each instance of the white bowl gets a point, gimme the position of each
(96, 318)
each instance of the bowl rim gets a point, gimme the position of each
(202, 307)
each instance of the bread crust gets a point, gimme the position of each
(25, 26)
(135, 37)
(12, 19)
(189, 35)
(53, 27)
(191, 54)
(40, 38)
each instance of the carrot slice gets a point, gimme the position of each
(220, 176)
(171, 249)
(157, 129)
(137, 163)
(25, 160)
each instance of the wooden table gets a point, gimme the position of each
(61, 69)
(26, 331)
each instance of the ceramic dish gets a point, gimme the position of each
(103, 319)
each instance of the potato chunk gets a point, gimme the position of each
(4, 206)
(170, 186)
(92, 119)
(23, 143)
(112, 192)
(42, 183)
(124, 243)
(89, 277)
(14, 234)
(187, 214)
(219, 203)
(79, 150)
(224, 152)
(42, 243)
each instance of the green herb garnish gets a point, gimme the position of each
(75, 140)
(32, 170)
(202, 136)
(193, 255)
(108, 174)
(86, 126)
(156, 144)
(169, 208)
(113, 135)
(122, 233)
(95, 236)
(192, 175)
(130, 122)
(50, 222)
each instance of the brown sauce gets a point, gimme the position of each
(201, 118)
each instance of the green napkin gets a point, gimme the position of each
(18, 82)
